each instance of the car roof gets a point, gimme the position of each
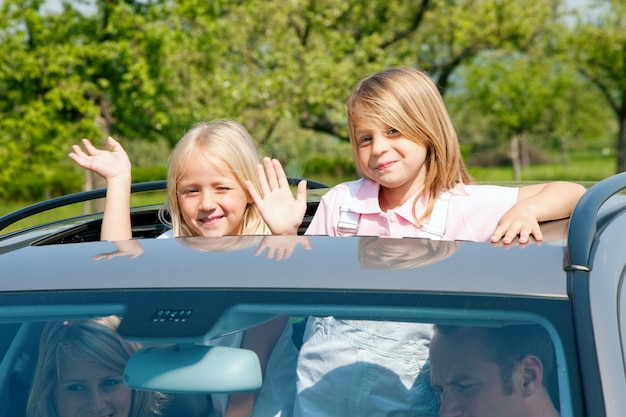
(331, 263)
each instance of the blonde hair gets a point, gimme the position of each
(92, 339)
(411, 252)
(408, 100)
(223, 139)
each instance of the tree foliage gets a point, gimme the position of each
(527, 97)
(598, 50)
(146, 70)
(69, 75)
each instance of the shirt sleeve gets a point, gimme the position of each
(326, 216)
(475, 215)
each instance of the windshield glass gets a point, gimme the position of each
(300, 363)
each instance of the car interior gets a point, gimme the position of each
(208, 369)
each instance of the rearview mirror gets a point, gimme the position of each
(193, 369)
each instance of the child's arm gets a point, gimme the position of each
(261, 340)
(537, 203)
(114, 167)
(280, 210)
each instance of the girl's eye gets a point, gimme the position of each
(365, 139)
(75, 388)
(223, 189)
(392, 132)
(190, 191)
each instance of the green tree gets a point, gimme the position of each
(525, 100)
(597, 45)
(516, 91)
(438, 36)
(273, 59)
(70, 75)
(147, 70)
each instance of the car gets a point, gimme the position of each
(177, 296)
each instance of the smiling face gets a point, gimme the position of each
(387, 157)
(470, 384)
(89, 389)
(428, 149)
(212, 202)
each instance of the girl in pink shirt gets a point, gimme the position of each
(407, 152)
(414, 184)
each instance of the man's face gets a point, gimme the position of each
(470, 384)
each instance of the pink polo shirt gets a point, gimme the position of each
(473, 212)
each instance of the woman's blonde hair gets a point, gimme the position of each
(408, 100)
(228, 141)
(94, 340)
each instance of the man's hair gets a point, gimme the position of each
(507, 345)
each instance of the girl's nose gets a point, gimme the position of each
(379, 144)
(207, 202)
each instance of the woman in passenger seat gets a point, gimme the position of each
(80, 370)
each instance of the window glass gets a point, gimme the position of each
(345, 364)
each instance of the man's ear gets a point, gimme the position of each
(532, 371)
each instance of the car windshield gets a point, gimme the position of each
(193, 378)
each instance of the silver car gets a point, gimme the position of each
(180, 299)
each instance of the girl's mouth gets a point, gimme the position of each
(384, 166)
(210, 221)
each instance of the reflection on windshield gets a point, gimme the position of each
(507, 367)
(406, 253)
(276, 247)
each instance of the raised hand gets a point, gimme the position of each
(108, 164)
(114, 166)
(281, 211)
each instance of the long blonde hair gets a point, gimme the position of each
(408, 100)
(226, 140)
(92, 339)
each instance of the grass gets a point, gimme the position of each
(581, 167)
(544, 173)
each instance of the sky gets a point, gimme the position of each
(55, 5)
